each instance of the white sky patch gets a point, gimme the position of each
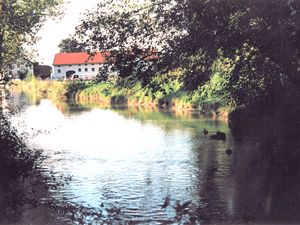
(54, 31)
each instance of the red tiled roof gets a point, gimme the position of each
(78, 58)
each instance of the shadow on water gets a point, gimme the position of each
(266, 169)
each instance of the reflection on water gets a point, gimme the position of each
(133, 159)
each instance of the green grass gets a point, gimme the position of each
(53, 89)
(136, 96)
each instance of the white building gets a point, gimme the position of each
(77, 63)
(20, 69)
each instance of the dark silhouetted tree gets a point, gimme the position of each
(71, 45)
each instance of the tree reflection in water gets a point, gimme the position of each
(266, 170)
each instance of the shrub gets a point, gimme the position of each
(75, 86)
(167, 83)
(215, 90)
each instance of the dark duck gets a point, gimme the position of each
(218, 136)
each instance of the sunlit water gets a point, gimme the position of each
(133, 159)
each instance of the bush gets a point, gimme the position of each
(167, 83)
(215, 90)
(256, 78)
(75, 86)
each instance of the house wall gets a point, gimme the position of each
(22, 67)
(59, 72)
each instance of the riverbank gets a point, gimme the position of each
(39, 88)
(133, 95)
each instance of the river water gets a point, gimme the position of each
(132, 159)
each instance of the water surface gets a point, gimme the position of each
(134, 158)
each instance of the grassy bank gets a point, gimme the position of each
(164, 91)
(53, 89)
(138, 96)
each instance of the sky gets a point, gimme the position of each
(54, 31)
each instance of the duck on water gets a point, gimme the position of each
(218, 136)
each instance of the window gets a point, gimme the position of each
(79, 65)
(58, 66)
(93, 69)
(70, 65)
(79, 69)
(59, 70)
(85, 69)
(10, 72)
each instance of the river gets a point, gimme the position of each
(132, 159)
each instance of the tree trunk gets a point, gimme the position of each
(1, 54)
(2, 86)
(2, 22)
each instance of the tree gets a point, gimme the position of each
(127, 32)
(261, 37)
(178, 29)
(71, 45)
(19, 24)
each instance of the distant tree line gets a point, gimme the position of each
(71, 45)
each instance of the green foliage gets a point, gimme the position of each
(75, 86)
(196, 69)
(259, 44)
(19, 24)
(118, 96)
(97, 92)
(224, 53)
(163, 90)
(121, 33)
(256, 78)
(13, 150)
(168, 83)
(53, 89)
(215, 90)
